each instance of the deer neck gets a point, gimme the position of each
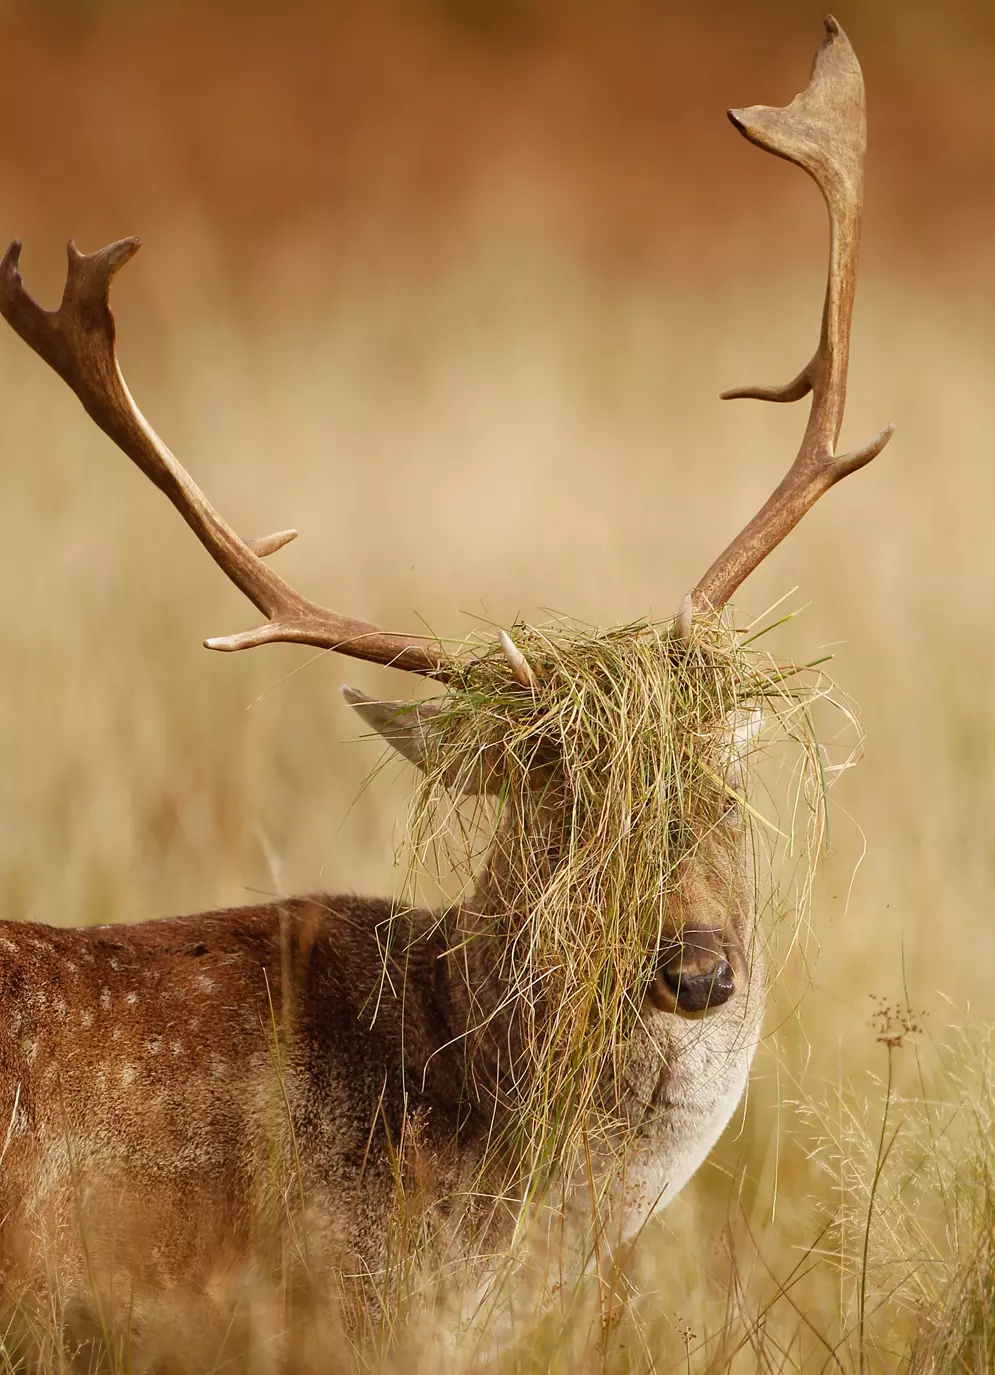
(516, 869)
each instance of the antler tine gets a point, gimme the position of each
(823, 131)
(77, 340)
(521, 669)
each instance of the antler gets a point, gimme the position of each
(823, 131)
(77, 340)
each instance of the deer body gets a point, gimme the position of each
(175, 1094)
(156, 1070)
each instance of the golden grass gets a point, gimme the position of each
(623, 759)
(544, 439)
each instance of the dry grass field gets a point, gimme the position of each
(495, 410)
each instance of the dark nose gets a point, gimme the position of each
(696, 992)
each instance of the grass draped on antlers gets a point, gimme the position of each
(599, 786)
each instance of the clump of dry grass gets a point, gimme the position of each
(618, 770)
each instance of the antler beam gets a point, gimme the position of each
(823, 131)
(78, 341)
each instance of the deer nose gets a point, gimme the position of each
(699, 992)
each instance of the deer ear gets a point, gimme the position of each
(406, 725)
(402, 724)
(744, 724)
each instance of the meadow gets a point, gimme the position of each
(513, 420)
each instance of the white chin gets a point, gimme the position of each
(674, 1149)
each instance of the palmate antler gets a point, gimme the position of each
(823, 130)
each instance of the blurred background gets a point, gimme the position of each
(453, 286)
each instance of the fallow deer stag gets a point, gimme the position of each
(146, 1071)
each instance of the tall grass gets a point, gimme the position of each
(888, 1266)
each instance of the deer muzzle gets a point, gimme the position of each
(694, 975)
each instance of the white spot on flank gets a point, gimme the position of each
(105, 999)
(176, 1047)
(29, 1049)
(116, 1034)
(8, 945)
(132, 998)
(86, 1017)
(206, 982)
(115, 964)
(218, 1067)
(153, 1047)
(60, 1006)
(17, 1124)
(41, 997)
(127, 1075)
